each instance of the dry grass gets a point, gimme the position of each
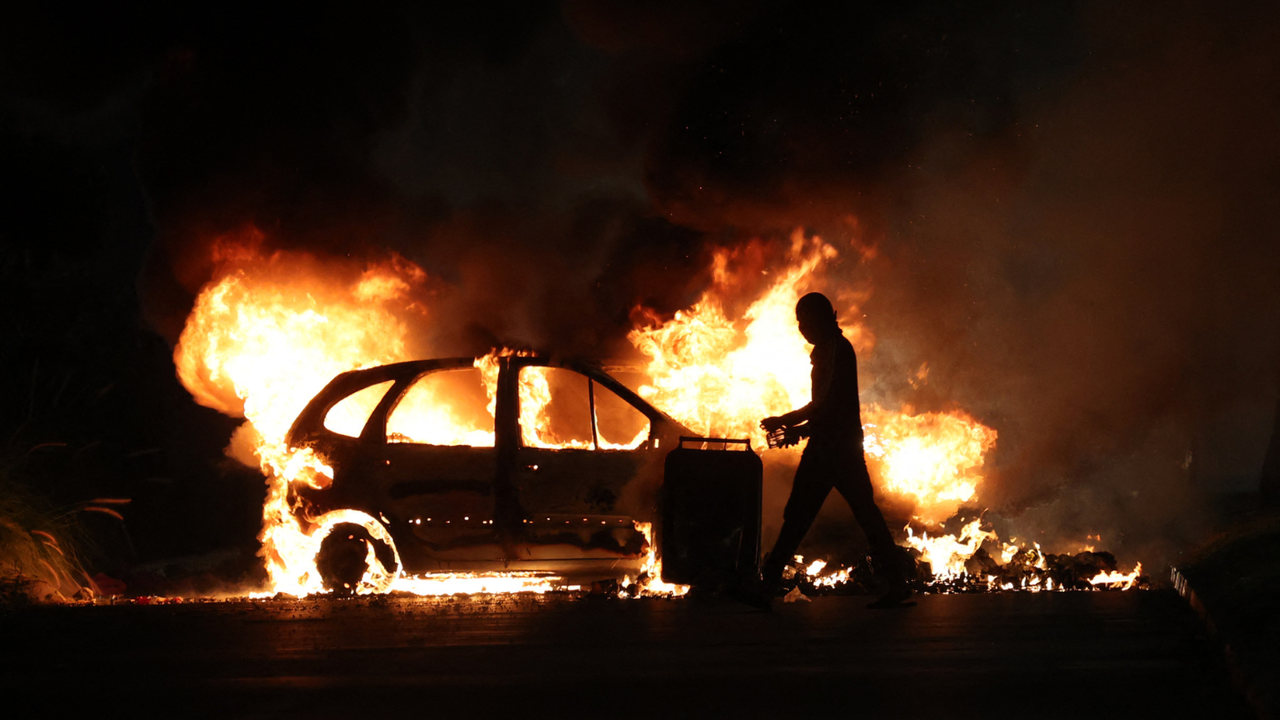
(38, 547)
(43, 544)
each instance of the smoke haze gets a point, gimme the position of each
(1068, 211)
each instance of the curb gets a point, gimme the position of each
(1239, 677)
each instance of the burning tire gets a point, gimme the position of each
(353, 553)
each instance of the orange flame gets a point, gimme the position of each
(947, 554)
(263, 339)
(650, 576)
(933, 458)
(1117, 579)
(720, 377)
(270, 331)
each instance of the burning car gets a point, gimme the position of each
(512, 462)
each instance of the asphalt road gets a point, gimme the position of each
(1112, 654)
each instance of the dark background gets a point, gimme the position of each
(1069, 211)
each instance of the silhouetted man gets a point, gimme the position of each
(833, 458)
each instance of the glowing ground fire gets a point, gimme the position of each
(269, 331)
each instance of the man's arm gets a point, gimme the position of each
(814, 408)
(791, 419)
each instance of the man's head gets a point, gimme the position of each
(816, 317)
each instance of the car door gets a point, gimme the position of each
(574, 475)
(439, 468)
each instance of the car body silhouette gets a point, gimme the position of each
(515, 462)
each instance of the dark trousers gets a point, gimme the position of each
(843, 467)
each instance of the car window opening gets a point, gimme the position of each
(620, 425)
(349, 415)
(562, 409)
(445, 407)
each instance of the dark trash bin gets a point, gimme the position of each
(711, 512)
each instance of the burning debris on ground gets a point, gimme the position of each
(1083, 572)
(1016, 570)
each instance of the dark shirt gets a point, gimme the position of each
(834, 414)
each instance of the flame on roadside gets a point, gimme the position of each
(649, 579)
(721, 376)
(263, 338)
(1117, 579)
(947, 554)
(718, 376)
(933, 458)
(267, 334)
(436, 584)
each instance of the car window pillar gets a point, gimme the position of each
(591, 399)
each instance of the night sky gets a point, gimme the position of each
(1068, 210)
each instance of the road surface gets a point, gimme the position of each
(1102, 654)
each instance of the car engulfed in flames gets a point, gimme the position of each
(498, 463)
(513, 472)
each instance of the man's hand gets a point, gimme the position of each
(782, 433)
(791, 436)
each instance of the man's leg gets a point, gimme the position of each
(809, 490)
(854, 483)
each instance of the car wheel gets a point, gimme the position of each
(355, 553)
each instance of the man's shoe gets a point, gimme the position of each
(895, 598)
